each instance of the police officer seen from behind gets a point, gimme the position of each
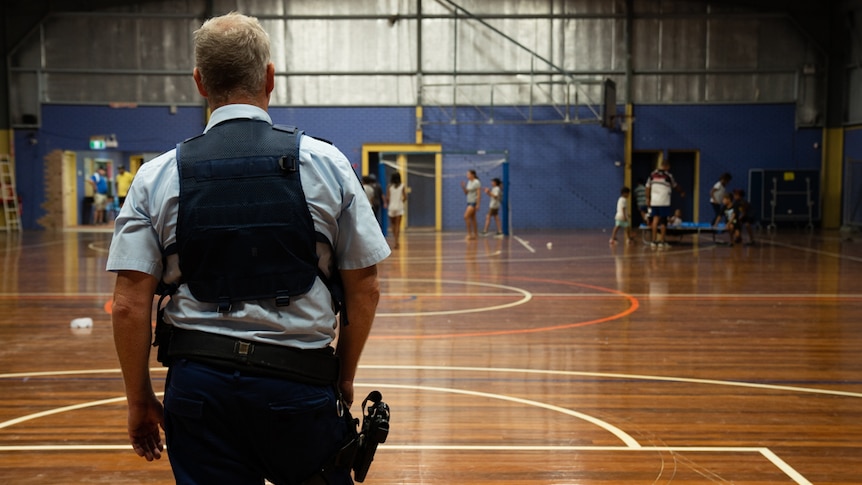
(256, 224)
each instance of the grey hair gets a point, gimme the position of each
(231, 54)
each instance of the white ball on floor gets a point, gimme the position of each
(550, 245)
(85, 322)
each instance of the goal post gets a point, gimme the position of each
(433, 180)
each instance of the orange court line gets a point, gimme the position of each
(634, 305)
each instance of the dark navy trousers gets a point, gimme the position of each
(225, 427)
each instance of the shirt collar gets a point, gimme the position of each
(234, 111)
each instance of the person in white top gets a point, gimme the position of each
(716, 196)
(396, 196)
(495, 193)
(659, 186)
(621, 218)
(472, 189)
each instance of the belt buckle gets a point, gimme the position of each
(243, 348)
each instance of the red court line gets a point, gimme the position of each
(71, 296)
(633, 306)
(829, 298)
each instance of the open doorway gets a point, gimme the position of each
(684, 166)
(643, 163)
(417, 173)
(90, 212)
(419, 166)
(77, 195)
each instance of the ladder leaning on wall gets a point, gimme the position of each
(11, 217)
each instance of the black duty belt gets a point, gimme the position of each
(315, 366)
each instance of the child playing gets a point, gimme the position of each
(621, 219)
(744, 217)
(676, 219)
(494, 193)
(729, 215)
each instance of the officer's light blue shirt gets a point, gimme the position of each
(340, 210)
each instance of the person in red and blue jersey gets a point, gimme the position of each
(659, 187)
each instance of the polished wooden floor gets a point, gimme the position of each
(544, 358)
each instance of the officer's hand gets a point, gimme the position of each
(144, 422)
(346, 388)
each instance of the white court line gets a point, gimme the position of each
(816, 251)
(623, 436)
(26, 375)
(765, 452)
(783, 466)
(526, 296)
(611, 375)
(49, 412)
(631, 443)
(620, 434)
(776, 387)
(697, 449)
(526, 244)
(29, 246)
(66, 448)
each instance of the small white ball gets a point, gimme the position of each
(85, 322)
(550, 245)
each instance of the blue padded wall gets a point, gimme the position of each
(730, 138)
(69, 127)
(350, 128)
(141, 129)
(852, 207)
(29, 171)
(853, 144)
(561, 176)
(155, 129)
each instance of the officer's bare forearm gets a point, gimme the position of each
(131, 317)
(362, 292)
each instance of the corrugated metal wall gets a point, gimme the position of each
(465, 53)
(854, 68)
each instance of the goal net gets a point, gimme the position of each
(422, 177)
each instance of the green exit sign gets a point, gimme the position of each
(102, 142)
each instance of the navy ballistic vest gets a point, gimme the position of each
(244, 231)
